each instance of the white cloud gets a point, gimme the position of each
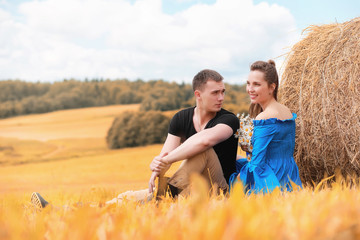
(184, 1)
(3, 2)
(116, 39)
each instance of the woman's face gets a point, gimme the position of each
(258, 89)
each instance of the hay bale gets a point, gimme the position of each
(321, 83)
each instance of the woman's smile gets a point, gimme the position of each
(252, 96)
(257, 88)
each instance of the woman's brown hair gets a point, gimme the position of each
(270, 76)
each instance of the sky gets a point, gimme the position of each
(52, 40)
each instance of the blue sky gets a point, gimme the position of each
(305, 12)
(50, 40)
(316, 12)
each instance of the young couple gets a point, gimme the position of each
(203, 136)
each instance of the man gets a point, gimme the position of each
(202, 135)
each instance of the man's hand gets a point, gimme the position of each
(157, 164)
(152, 182)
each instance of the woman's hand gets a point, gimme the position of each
(245, 148)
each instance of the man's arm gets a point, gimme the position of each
(171, 143)
(159, 168)
(172, 151)
(198, 143)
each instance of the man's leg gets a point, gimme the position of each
(206, 164)
(38, 201)
(141, 196)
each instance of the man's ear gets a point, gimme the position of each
(197, 93)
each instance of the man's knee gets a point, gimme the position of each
(205, 155)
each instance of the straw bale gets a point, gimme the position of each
(321, 83)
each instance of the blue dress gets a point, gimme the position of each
(272, 163)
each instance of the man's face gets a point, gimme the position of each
(212, 96)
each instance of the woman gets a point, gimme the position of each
(272, 164)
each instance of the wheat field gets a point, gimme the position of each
(63, 155)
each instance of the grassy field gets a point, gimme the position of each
(67, 150)
(63, 155)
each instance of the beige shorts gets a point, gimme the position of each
(206, 164)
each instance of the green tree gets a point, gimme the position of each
(133, 129)
(19, 97)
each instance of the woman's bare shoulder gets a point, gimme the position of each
(264, 115)
(279, 111)
(283, 112)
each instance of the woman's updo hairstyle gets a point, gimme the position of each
(270, 76)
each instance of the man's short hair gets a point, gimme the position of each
(203, 76)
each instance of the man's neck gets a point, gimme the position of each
(202, 117)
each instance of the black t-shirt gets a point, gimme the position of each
(182, 125)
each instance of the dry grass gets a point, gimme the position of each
(73, 163)
(327, 214)
(111, 168)
(57, 135)
(78, 177)
(74, 123)
(321, 83)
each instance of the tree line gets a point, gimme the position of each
(132, 129)
(20, 97)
